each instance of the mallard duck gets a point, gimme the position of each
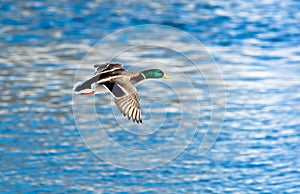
(111, 77)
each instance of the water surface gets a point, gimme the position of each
(256, 45)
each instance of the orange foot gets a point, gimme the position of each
(88, 94)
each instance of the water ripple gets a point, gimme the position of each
(256, 45)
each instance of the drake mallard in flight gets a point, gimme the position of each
(111, 77)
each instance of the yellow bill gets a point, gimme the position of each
(167, 76)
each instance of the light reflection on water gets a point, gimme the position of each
(257, 51)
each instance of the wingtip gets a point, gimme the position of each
(76, 88)
(133, 120)
(138, 121)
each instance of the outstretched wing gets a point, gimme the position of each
(87, 85)
(126, 99)
(101, 71)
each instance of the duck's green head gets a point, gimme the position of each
(154, 73)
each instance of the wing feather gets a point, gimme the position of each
(108, 67)
(126, 98)
(86, 85)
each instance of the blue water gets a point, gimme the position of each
(256, 45)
